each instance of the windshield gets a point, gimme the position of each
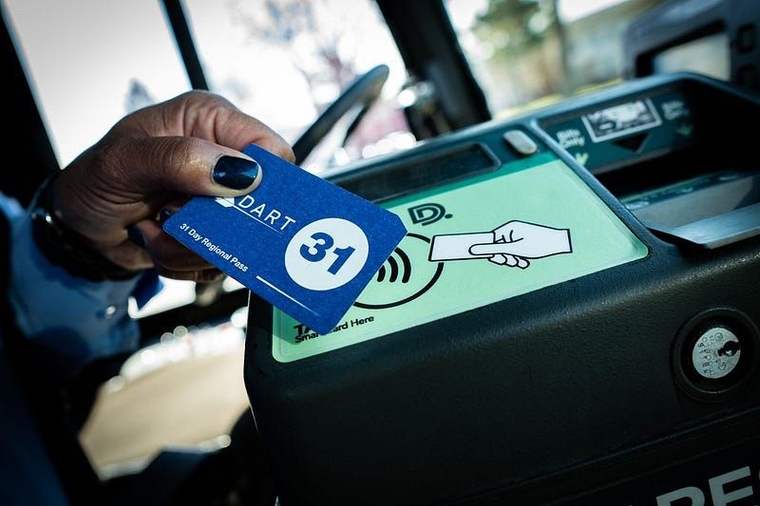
(285, 61)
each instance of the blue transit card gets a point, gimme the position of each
(300, 242)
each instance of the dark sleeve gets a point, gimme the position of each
(5, 237)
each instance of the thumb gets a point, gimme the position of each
(127, 180)
(190, 166)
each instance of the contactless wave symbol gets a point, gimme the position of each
(398, 264)
(406, 275)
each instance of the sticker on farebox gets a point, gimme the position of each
(300, 242)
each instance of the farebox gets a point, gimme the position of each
(572, 317)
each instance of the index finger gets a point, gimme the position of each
(210, 117)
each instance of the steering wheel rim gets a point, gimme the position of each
(362, 92)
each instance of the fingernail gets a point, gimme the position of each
(236, 173)
(136, 236)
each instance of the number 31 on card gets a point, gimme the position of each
(326, 254)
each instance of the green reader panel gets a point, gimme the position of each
(528, 225)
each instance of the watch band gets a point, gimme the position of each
(65, 247)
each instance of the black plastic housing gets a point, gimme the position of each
(572, 393)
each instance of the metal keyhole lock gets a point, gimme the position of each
(715, 354)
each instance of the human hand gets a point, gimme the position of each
(154, 160)
(517, 241)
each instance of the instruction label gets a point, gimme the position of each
(531, 224)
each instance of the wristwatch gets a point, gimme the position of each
(65, 247)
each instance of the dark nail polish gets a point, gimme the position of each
(236, 173)
(136, 236)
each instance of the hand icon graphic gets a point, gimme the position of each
(516, 242)
(513, 244)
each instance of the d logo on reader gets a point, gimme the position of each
(427, 213)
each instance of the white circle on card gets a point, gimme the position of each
(326, 254)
